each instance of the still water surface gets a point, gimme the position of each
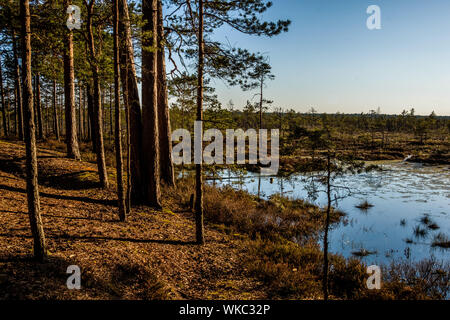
(402, 195)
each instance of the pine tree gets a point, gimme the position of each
(199, 166)
(132, 104)
(69, 94)
(165, 141)
(2, 94)
(97, 105)
(37, 229)
(119, 164)
(150, 103)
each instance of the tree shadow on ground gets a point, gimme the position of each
(22, 278)
(63, 197)
(62, 217)
(13, 166)
(103, 238)
(132, 240)
(80, 180)
(70, 181)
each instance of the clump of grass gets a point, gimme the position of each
(403, 222)
(364, 205)
(423, 280)
(441, 240)
(433, 226)
(289, 270)
(409, 241)
(363, 253)
(295, 272)
(420, 232)
(278, 217)
(425, 220)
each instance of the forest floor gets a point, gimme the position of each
(255, 249)
(150, 256)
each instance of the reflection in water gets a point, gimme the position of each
(401, 194)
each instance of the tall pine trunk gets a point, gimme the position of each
(91, 118)
(73, 150)
(37, 229)
(16, 121)
(127, 117)
(55, 112)
(4, 111)
(327, 226)
(199, 166)
(98, 114)
(80, 113)
(131, 98)
(119, 164)
(165, 141)
(39, 107)
(110, 114)
(150, 103)
(261, 101)
(18, 91)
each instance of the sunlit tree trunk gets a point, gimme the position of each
(165, 142)
(18, 91)
(199, 167)
(110, 114)
(150, 104)
(69, 94)
(39, 107)
(261, 101)
(119, 164)
(98, 115)
(91, 117)
(37, 229)
(4, 111)
(55, 112)
(80, 113)
(327, 226)
(131, 98)
(16, 108)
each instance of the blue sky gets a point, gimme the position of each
(329, 60)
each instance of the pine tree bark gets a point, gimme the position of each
(80, 113)
(55, 112)
(127, 118)
(118, 135)
(199, 166)
(16, 121)
(110, 114)
(98, 114)
(8, 118)
(73, 150)
(165, 141)
(39, 107)
(91, 122)
(132, 102)
(261, 100)
(37, 229)
(4, 111)
(18, 91)
(327, 226)
(150, 103)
